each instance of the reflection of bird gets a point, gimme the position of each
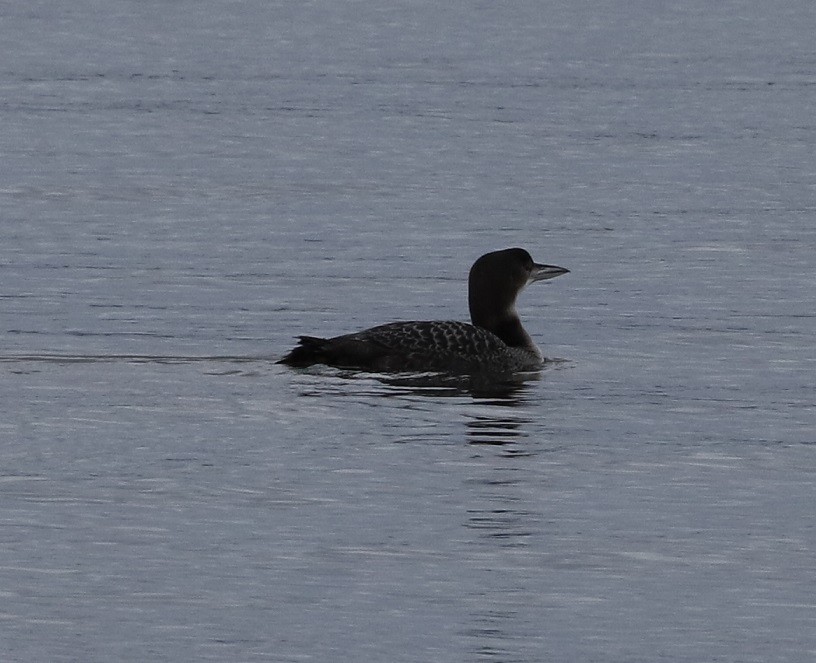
(496, 341)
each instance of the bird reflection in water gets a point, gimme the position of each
(506, 390)
(499, 424)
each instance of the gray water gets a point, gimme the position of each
(186, 186)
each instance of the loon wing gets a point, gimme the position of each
(432, 337)
(401, 346)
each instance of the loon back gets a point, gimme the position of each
(415, 346)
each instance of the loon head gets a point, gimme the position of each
(495, 281)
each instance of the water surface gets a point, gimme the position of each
(188, 186)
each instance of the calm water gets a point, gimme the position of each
(189, 185)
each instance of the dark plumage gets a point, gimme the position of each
(496, 341)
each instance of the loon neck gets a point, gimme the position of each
(508, 328)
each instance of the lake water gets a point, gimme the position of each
(186, 186)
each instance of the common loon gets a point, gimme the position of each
(495, 342)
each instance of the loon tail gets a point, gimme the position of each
(310, 350)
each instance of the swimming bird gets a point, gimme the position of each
(496, 341)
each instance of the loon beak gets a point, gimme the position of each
(544, 272)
